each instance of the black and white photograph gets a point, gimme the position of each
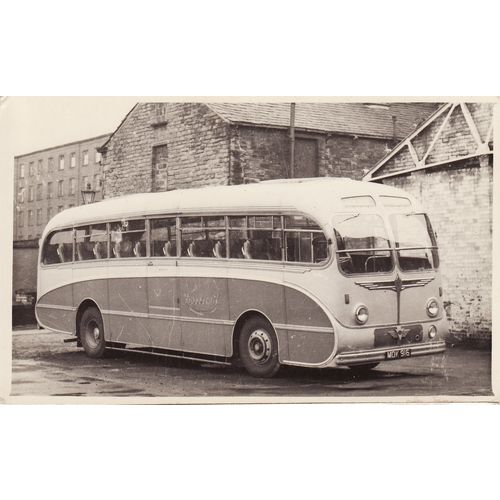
(251, 249)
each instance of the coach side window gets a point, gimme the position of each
(91, 242)
(255, 237)
(58, 247)
(128, 239)
(203, 237)
(305, 241)
(163, 237)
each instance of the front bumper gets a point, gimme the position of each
(353, 358)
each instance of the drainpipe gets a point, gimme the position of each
(292, 140)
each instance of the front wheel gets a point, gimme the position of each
(92, 333)
(258, 348)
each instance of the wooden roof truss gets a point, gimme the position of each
(482, 148)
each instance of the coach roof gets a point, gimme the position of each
(317, 196)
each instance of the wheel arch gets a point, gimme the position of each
(242, 318)
(82, 307)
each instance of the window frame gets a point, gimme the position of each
(390, 249)
(128, 219)
(434, 247)
(178, 234)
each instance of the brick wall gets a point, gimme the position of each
(45, 172)
(259, 153)
(344, 156)
(458, 199)
(25, 267)
(163, 146)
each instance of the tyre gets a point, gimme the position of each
(363, 369)
(258, 348)
(92, 333)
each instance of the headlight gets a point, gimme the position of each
(432, 331)
(361, 314)
(432, 308)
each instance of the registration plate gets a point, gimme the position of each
(398, 353)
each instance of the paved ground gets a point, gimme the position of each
(44, 366)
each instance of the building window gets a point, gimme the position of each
(20, 219)
(72, 186)
(21, 171)
(85, 157)
(49, 213)
(72, 160)
(50, 190)
(98, 157)
(61, 162)
(40, 167)
(32, 168)
(30, 193)
(85, 181)
(97, 182)
(50, 165)
(30, 217)
(60, 188)
(39, 190)
(38, 216)
(60, 208)
(20, 195)
(160, 157)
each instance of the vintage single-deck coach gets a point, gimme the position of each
(310, 272)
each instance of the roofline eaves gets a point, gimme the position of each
(61, 146)
(314, 130)
(101, 148)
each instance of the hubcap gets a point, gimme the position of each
(259, 346)
(93, 333)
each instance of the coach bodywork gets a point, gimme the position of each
(197, 305)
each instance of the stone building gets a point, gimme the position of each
(50, 180)
(447, 163)
(164, 146)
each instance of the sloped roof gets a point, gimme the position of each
(349, 118)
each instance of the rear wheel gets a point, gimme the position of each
(92, 333)
(258, 348)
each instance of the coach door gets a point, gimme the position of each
(203, 286)
(127, 291)
(163, 297)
